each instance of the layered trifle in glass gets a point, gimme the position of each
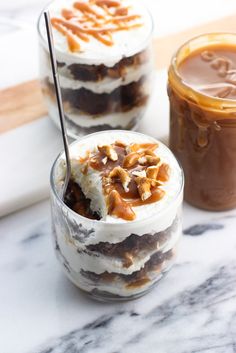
(103, 50)
(117, 230)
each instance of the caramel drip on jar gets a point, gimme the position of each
(95, 18)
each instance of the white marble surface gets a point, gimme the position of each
(192, 310)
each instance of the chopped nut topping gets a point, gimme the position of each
(132, 180)
(164, 172)
(120, 144)
(144, 187)
(142, 160)
(152, 172)
(149, 160)
(131, 159)
(139, 173)
(149, 152)
(104, 160)
(134, 147)
(109, 151)
(123, 175)
(141, 147)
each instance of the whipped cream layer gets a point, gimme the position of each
(93, 52)
(91, 182)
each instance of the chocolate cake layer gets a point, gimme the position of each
(76, 200)
(122, 99)
(137, 278)
(132, 246)
(96, 73)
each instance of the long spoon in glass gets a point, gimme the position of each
(59, 101)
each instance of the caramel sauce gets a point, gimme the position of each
(119, 207)
(94, 18)
(138, 283)
(211, 70)
(131, 194)
(157, 195)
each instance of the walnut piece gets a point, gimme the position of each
(123, 175)
(109, 151)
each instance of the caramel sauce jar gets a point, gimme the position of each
(203, 125)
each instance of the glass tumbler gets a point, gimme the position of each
(115, 261)
(99, 91)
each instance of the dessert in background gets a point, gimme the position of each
(118, 230)
(202, 93)
(104, 62)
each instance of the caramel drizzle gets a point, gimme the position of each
(119, 200)
(94, 18)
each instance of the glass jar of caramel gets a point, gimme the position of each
(202, 94)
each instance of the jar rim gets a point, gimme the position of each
(101, 222)
(194, 95)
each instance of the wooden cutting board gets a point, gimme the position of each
(23, 103)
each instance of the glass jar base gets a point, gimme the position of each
(108, 297)
(211, 208)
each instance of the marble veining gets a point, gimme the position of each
(196, 318)
(192, 310)
(200, 229)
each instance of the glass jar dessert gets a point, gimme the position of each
(103, 50)
(117, 231)
(202, 94)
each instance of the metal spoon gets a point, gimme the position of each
(59, 101)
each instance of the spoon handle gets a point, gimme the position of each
(59, 100)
